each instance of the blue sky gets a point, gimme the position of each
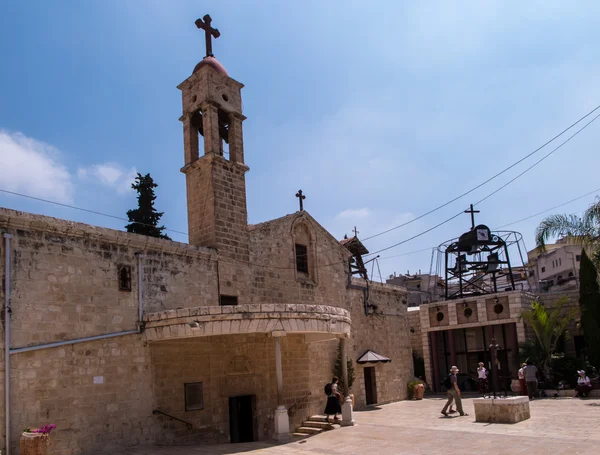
(379, 111)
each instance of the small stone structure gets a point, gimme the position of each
(501, 410)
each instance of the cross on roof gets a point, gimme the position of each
(472, 212)
(356, 232)
(301, 197)
(208, 32)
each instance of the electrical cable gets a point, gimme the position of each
(84, 210)
(488, 180)
(492, 193)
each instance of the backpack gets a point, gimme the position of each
(447, 382)
(328, 389)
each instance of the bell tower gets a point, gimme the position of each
(215, 180)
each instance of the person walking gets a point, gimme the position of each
(332, 408)
(531, 378)
(453, 393)
(522, 382)
(482, 378)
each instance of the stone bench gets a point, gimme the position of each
(501, 410)
(595, 393)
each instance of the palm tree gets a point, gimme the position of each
(549, 325)
(584, 230)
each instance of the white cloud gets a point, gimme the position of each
(32, 167)
(109, 174)
(354, 213)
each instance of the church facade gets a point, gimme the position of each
(125, 340)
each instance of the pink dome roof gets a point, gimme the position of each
(211, 61)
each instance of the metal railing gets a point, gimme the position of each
(291, 408)
(187, 424)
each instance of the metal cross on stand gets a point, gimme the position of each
(301, 197)
(356, 231)
(472, 212)
(208, 31)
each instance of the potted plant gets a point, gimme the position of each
(36, 441)
(416, 389)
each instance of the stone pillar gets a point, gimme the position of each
(210, 125)
(236, 138)
(190, 140)
(282, 419)
(347, 418)
(34, 444)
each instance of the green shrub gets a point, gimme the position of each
(565, 369)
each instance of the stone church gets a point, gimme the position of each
(125, 340)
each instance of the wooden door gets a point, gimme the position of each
(370, 385)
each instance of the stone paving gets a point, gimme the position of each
(557, 426)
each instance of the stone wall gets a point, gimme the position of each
(386, 331)
(65, 285)
(227, 366)
(98, 394)
(414, 322)
(274, 278)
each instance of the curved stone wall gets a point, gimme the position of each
(264, 318)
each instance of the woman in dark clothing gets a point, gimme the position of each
(333, 407)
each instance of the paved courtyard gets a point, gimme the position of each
(557, 426)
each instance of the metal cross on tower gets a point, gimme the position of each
(356, 232)
(208, 32)
(301, 197)
(472, 212)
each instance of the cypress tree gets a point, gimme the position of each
(144, 220)
(589, 300)
(337, 371)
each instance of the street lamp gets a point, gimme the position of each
(493, 353)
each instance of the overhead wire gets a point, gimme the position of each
(14, 193)
(391, 246)
(492, 193)
(504, 225)
(487, 181)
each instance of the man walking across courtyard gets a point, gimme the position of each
(453, 392)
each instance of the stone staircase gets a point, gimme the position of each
(314, 425)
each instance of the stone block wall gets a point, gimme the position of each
(414, 323)
(65, 285)
(232, 366)
(273, 265)
(386, 331)
(98, 394)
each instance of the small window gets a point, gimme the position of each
(543, 269)
(301, 258)
(559, 261)
(229, 300)
(125, 278)
(194, 401)
(578, 257)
